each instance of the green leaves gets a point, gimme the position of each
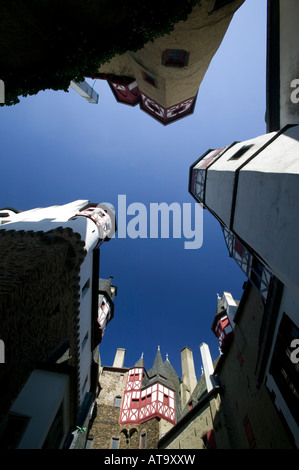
(68, 41)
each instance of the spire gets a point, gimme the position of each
(140, 362)
(158, 364)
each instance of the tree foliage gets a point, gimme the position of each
(47, 43)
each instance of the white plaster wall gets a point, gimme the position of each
(231, 307)
(48, 218)
(40, 399)
(219, 192)
(61, 213)
(225, 164)
(221, 176)
(267, 207)
(85, 323)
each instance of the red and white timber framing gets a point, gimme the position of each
(130, 94)
(140, 405)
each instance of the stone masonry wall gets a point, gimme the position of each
(106, 425)
(39, 291)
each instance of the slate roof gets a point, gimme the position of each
(140, 363)
(164, 373)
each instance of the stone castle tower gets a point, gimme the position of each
(135, 406)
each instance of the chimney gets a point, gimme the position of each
(208, 366)
(105, 286)
(119, 358)
(188, 374)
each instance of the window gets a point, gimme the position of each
(84, 341)
(175, 58)
(55, 311)
(86, 287)
(256, 272)
(135, 402)
(55, 435)
(148, 398)
(249, 432)
(238, 247)
(149, 79)
(240, 358)
(89, 442)
(134, 376)
(114, 443)
(15, 427)
(84, 385)
(240, 152)
(143, 441)
(117, 402)
(209, 440)
(121, 377)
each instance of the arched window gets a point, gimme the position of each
(143, 440)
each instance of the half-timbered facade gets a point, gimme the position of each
(143, 403)
(135, 406)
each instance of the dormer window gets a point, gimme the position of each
(175, 58)
(149, 79)
(240, 152)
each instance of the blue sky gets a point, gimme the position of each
(57, 148)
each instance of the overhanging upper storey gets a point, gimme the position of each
(164, 76)
(252, 188)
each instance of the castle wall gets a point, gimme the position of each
(106, 425)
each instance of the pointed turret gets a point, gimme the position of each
(158, 365)
(140, 362)
(152, 394)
